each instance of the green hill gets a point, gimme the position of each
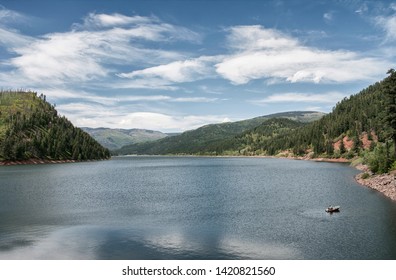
(363, 125)
(30, 128)
(114, 139)
(250, 142)
(210, 139)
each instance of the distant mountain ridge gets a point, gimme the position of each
(206, 139)
(115, 138)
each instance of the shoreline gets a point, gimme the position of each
(383, 183)
(34, 162)
(41, 161)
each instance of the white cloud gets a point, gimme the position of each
(255, 37)
(88, 54)
(328, 17)
(161, 98)
(58, 58)
(117, 100)
(163, 122)
(195, 99)
(269, 54)
(7, 15)
(362, 9)
(148, 28)
(153, 83)
(79, 56)
(116, 19)
(388, 24)
(96, 115)
(174, 72)
(292, 97)
(313, 108)
(10, 38)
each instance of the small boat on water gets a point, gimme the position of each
(332, 209)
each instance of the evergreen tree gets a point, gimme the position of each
(342, 146)
(389, 88)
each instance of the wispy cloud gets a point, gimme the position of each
(292, 97)
(362, 9)
(388, 24)
(120, 100)
(173, 73)
(88, 51)
(256, 38)
(148, 28)
(260, 53)
(9, 36)
(269, 54)
(169, 123)
(7, 15)
(328, 17)
(382, 14)
(96, 115)
(162, 98)
(94, 20)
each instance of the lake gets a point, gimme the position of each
(192, 208)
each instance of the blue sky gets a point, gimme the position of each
(177, 65)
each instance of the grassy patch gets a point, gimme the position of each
(365, 175)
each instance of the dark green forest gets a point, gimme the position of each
(363, 125)
(30, 128)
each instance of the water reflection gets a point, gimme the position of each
(93, 242)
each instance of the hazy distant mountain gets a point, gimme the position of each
(116, 138)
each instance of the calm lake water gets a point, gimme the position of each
(192, 208)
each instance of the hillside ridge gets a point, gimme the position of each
(210, 138)
(30, 128)
(115, 138)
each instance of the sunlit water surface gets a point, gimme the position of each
(192, 208)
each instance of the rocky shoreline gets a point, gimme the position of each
(384, 183)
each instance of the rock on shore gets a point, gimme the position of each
(384, 183)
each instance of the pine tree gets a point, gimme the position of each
(389, 88)
(342, 147)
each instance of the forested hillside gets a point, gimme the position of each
(362, 125)
(30, 128)
(213, 139)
